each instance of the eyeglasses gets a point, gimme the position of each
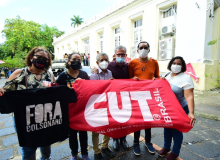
(103, 60)
(41, 57)
(120, 55)
(143, 48)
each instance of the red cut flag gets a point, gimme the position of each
(118, 107)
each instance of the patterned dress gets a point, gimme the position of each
(32, 82)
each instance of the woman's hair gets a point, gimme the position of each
(36, 50)
(173, 59)
(69, 57)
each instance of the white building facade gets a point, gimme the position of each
(171, 27)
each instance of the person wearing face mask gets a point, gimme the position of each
(119, 69)
(182, 86)
(68, 78)
(38, 62)
(102, 61)
(143, 68)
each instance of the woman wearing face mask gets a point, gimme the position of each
(68, 78)
(103, 74)
(38, 62)
(143, 68)
(182, 87)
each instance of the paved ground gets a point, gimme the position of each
(201, 143)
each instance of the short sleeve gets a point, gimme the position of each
(13, 84)
(156, 74)
(93, 76)
(130, 69)
(188, 83)
(83, 75)
(110, 73)
(86, 76)
(61, 79)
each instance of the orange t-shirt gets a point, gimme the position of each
(151, 69)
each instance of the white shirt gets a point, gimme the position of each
(178, 84)
(182, 80)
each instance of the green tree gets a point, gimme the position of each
(76, 21)
(4, 51)
(21, 36)
(13, 62)
(47, 34)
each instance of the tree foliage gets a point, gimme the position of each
(76, 21)
(21, 36)
(13, 62)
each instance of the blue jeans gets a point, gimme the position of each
(30, 153)
(177, 136)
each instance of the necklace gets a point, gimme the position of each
(74, 75)
(142, 68)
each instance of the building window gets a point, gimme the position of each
(169, 12)
(86, 45)
(138, 23)
(137, 31)
(101, 42)
(86, 41)
(117, 36)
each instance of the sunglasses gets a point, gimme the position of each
(41, 57)
(143, 48)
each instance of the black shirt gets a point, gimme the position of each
(41, 115)
(5, 69)
(66, 79)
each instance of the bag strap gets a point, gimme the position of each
(25, 73)
(167, 74)
(51, 76)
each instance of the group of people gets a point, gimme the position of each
(143, 67)
(86, 59)
(6, 71)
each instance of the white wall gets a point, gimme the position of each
(191, 27)
(190, 30)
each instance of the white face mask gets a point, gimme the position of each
(176, 68)
(143, 53)
(103, 65)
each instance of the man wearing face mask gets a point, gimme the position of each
(143, 68)
(119, 69)
(102, 61)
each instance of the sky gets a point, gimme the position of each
(51, 12)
